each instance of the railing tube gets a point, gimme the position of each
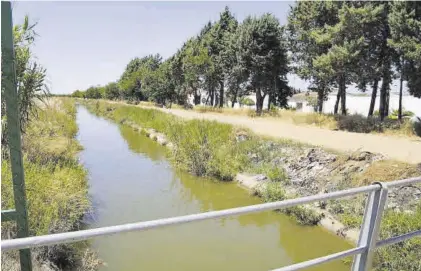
(370, 228)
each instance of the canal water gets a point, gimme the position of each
(131, 180)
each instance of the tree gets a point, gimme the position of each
(112, 91)
(177, 75)
(365, 19)
(131, 80)
(94, 93)
(196, 62)
(263, 55)
(159, 84)
(304, 19)
(219, 46)
(405, 37)
(78, 94)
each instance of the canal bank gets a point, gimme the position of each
(132, 180)
(209, 148)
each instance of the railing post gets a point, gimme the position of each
(370, 228)
(8, 81)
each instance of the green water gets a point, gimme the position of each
(131, 180)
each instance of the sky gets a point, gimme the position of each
(89, 43)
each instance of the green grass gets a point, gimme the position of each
(274, 191)
(404, 255)
(56, 184)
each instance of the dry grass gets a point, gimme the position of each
(225, 110)
(386, 170)
(325, 121)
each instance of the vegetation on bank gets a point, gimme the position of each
(56, 184)
(208, 148)
(56, 187)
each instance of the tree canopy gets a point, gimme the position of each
(330, 44)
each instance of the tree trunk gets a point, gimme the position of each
(338, 98)
(259, 102)
(234, 99)
(400, 97)
(196, 98)
(386, 64)
(386, 108)
(320, 97)
(373, 98)
(212, 96)
(383, 96)
(269, 101)
(343, 93)
(221, 94)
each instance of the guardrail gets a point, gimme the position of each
(367, 243)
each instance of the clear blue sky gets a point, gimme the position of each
(89, 43)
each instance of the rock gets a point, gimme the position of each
(152, 136)
(241, 136)
(137, 128)
(170, 145)
(251, 181)
(161, 139)
(406, 198)
(253, 157)
(151, 131)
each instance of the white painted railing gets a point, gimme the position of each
(367, 243)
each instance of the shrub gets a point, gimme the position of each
(303, 215)
(273, 191)
(358, 123)
(405, 114)
(274, 173)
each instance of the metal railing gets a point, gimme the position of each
(367, 243)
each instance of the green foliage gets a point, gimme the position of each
(215, 64)
(273, 191)
(112, 91)
(274, 173)
(247, 101)
(30, 76)
(405, 114)
(304, 21)
(405, 38)
(78, 94)
(262, 51)
(131, 80)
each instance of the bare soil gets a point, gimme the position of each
(401, 149)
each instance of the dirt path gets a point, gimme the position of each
(402, 149)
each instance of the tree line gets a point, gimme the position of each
(330, 44)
